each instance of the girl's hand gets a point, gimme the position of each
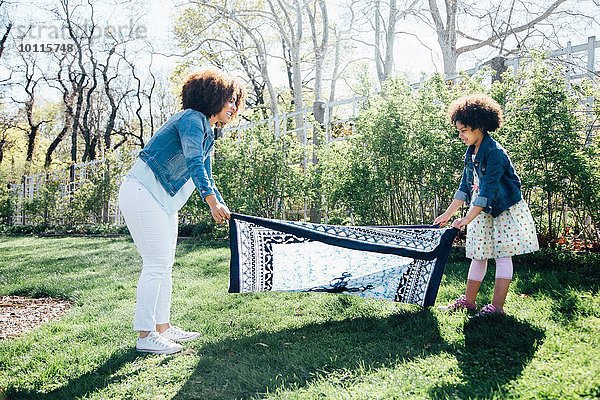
(220, 213)
(460, 223)
(441, 220)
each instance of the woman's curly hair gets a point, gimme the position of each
(208, 91)
(476, 111)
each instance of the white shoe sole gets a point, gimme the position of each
(166, 351)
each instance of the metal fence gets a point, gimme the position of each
(337, 119)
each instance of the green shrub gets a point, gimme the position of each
(545, 136)
(260, 174)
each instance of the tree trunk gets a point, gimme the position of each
(55, 144)
(75, 125)
(85, 125)
(389, 41)
(31, 142)
(449, 58)
(2, 144)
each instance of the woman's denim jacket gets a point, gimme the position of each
(499, 185)
(181, 149)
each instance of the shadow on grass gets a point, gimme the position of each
(263, 363)
(86, 384)
(550, 280)
(251, 366)
(496, 350)
(571, 291)
(569, 287)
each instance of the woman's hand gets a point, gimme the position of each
(220, 213)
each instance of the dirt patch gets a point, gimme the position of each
(19, 315)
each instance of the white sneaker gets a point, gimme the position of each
(157, 344)
(179, 335)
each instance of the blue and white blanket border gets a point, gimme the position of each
(440, 252)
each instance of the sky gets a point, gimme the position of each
(411, 57)
(420, 60)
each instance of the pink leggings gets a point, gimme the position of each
(504, 269)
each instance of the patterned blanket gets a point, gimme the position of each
(399, 263)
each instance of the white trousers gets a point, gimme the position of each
(154, 233)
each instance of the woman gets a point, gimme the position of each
(175, 161)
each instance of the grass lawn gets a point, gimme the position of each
(291, 346)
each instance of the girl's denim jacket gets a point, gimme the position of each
(499, 185)
(181, 149)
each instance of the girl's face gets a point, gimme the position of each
(468, 135)
(225, 115)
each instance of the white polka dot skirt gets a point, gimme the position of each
(509, 234)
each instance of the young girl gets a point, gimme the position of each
(499, 223)
(175, 161)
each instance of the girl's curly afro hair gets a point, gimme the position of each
(476, 111)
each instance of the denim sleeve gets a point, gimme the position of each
(490, 181)
(463, 190)
(208, 168)
(191, 134)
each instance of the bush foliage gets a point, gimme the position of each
(402, 167)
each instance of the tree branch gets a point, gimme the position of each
(510, 31)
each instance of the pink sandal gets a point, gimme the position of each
(490, 309)
(459, 304)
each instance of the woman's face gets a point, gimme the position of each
(468, 135)
(225, 115)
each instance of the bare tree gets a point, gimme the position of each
(288, 19)
(4, 38)
(89, 136)
(343, 48)
(495, 24)
(116, 81)
(29, 84)
(97, 90)
(138, 97)
(317, 13)
(7, 122)
(149, 95)
(163, 99)
(80, 35)
(249, 64)
(380, 18)
(6, 29)
(300, 28)
(68, 98)
(223, 44)
(250, 20)
(113, 103)
(6, 32)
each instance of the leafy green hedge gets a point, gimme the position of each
(403, 166)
